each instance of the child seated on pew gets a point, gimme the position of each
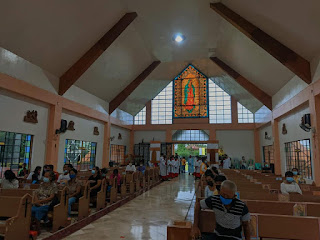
(210, 189)
(10, 180)
(289, 185)
(74, 189)
(43, 198)
(95, 181)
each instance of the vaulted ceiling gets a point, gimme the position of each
(55, 34)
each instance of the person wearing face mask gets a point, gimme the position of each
(210, 189)
(43, 197)
(231, 214)
(74, 189)
(289, 185)
(63, 178)
(297, 177)
(219, 179)
(130, 168)
(95, 181)
(141, 168)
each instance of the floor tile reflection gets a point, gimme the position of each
(147, 216)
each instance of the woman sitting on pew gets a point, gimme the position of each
(10, 180)
(289, 185)
(35, 175)
(218, 181)
(95, 181)
(210, 189)
(44, 197)
(297, 177)
(74, 189)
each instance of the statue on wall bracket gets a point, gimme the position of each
(31, 117)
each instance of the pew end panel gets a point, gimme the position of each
(179, 230)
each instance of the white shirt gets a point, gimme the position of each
(131, 168)
(6, 184)
(197, 166)
(290, 188)
(63, 177)
(227, 163)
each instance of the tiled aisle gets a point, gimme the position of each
(145, 217)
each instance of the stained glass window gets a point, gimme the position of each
(244, 115)
(140, 118)
(81, 154)
(161, 106)
(190, 94)
(219, 104)
(15, 149)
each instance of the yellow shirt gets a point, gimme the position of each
(183, 162)
(203, 168)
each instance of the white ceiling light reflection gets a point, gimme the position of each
(179, 38)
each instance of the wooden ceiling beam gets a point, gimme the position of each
(116, 102)
(74, 72)
(245, 83)
(290, 59)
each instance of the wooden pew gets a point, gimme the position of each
(179, 230)
(18, 212)
(84, 202)
(129, 182)
(101, 195)
(113, 191)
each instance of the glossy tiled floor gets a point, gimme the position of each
(147, 216)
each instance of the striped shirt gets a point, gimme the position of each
(228, 221)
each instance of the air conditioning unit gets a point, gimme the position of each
(306, 123)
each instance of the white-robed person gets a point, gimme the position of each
(176, 167)
(227, 163)
(171, 167)
(163, 168)
(191, 165)
(197, 165)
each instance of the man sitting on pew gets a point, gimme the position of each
(289, 185)
(130, 168)
(141, 168)
(43, 198)
(63, 178)
(231, 214)
(74, 189)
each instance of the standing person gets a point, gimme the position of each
(289, 185)
(64, 178)
(197, 168)
(191, 165)
(74, 187)
(231, 214)
(243, 163)
(183, 163)
(163, 168)
(10, 180)
(23, 172)
(170, 167)
(176, 167)
(227, 163)
(203, 167)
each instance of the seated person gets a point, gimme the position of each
(266, 168)
(218, 181)
(141, 168)
(74, 189)
(36, 171)
(23, 172)
(116, 175)
(104, 172)
(43, 197)
(50, 168)
(231, 214)
(297, 177)
(289, 185)
(130, 168)
(63, 178)
(10, 180)
(95, 181)
(210, 189)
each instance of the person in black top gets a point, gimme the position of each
(231, 214)
(95, 181)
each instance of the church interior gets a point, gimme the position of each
(159, 120)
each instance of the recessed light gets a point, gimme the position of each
(179, 38)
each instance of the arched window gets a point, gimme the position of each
(244, 115)
(140, 118)
(161, 106)
(219, 104)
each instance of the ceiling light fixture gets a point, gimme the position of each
(178, 38)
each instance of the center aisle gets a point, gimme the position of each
(145, 217)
